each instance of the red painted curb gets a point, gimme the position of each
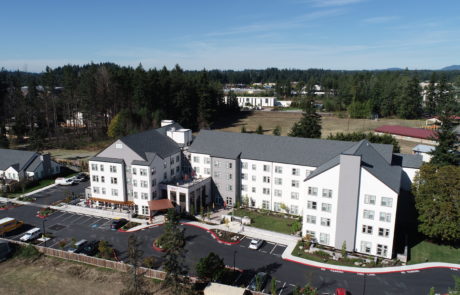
(157, 248)
(214, 235)
(374, 273)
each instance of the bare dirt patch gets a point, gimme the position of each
(54, 276)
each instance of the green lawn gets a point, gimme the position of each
(41, 184)
(430, 252)
(266, 221)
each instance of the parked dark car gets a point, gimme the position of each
(117, 223)
(5, 250)
(91, 248)
(81, 177)
(262, 277)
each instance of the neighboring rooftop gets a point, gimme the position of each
(16, 158)
(408, 161)
(281, 149)
(407, 131)
(423, 148)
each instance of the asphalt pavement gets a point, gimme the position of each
(60, 192)
(199, 243)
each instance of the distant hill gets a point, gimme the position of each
(451, 68)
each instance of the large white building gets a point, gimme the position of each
(346, 192)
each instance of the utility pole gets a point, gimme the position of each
(44, 232)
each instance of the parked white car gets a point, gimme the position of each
(255, 244)
(31, 234)
(64, 181)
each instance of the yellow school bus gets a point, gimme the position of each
(8, 224)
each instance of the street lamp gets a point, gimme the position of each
(44, 232)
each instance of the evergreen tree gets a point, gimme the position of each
(431, 96)
(309, 125)
(210, 268)
(243, 129)
(437, 190)
(410, 100)
(173, 242)
(135, 283)
(260, 129)
(277, 130)
(232, 102)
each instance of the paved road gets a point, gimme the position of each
(199, 243)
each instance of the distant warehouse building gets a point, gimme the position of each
(408, 133)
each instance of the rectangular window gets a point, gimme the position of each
(145, 210)
(178, 159)
(94, 167)
(367, 229)
(165, 175)
(384, 232)
(177, 169)
(144, 196)
(207, 160)
(295, 183)
(278, 181)
(196, 159)
(312, 191)
(207, 171)
(266, 179)
(244, 165)
(103, 179)
(172, 172)
(386, 217)
(113, 169)
(101, 167)
(244, 188)
(114, 192)
(265, 205)
(311, 219)
(253, 178)
(229, 165)
(310, 233)
(307, 173)
(369, 199)
(295, 171)
(216, 164)
(277, 207)
(386, 202)
(311, 205)
(325, 207)
(278, 193)
(229, 188)
(368, 214)
(325, 221)
(244, 176)
(254, 167)
(229, 176)
(327, 193)
(294, 209)
(103, 191)
(294, 195)
(135, 195)
(382, 250)
(324, 239)
(144, 183)
(154, 171)
(95, 178)
(366, 247)
(266, 191)
(154, 182)
(266, 168)
(135, 182)
(95, 189)
(253, 189)
(278, 169)
(216, 174)
(143, 172)
(113, 180)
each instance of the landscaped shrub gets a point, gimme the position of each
(29, 252)
(322, 254)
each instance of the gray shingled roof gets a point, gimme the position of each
(18, 159)
(408, 161)
(151, 141)
(371, 160)
(282, 149)
(106, 159)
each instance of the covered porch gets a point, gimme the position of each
(190, 195)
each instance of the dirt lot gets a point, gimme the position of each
(53, 276)
(330, 124)
(71, 154)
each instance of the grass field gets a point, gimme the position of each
(268, 222)
(54, 276)
(429, 252)
(330, 124)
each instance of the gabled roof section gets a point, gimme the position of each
(34, 165)
(371, 160)
(282, 149)
(151, 141)
(408, 161)
(19, 159)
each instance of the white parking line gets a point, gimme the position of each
(105, 223)
(273, 248)
(81, 216)
(263, 251)
(89, 219)
(282, 288)
(68, 217)
(59, 216)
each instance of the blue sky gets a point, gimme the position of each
(197, 34)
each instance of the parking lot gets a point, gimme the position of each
(266, 248)
(59, 192)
